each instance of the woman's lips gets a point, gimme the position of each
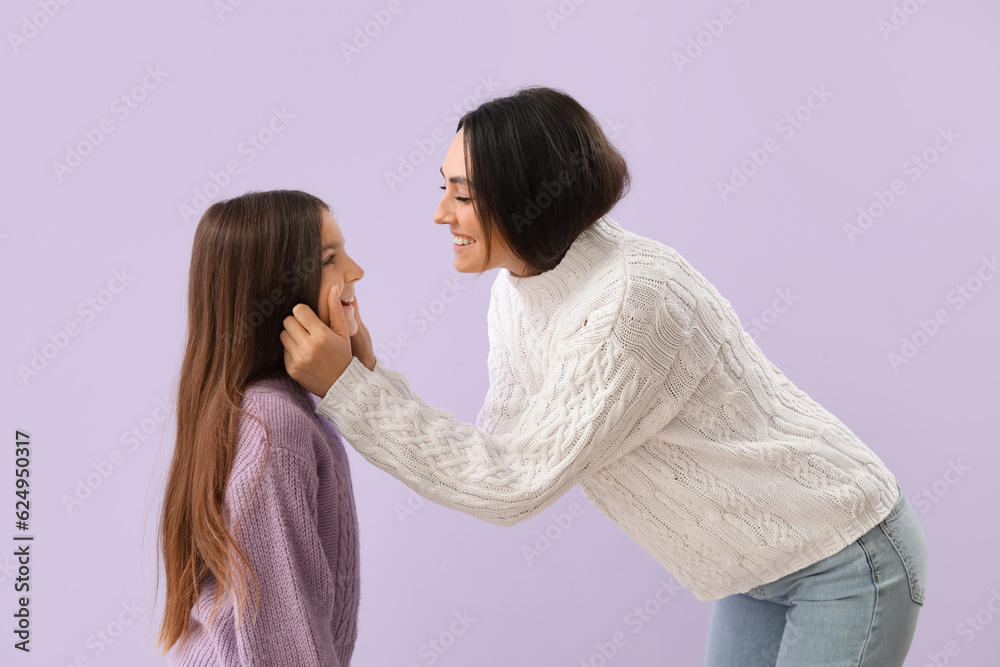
(459, 247)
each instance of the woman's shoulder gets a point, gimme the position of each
(658, 293)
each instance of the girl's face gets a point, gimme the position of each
(338, 269)
(456, 211)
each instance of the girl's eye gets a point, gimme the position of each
(329, 259)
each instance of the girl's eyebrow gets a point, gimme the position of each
(458, 180)
(332, 246)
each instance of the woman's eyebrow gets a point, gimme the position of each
(332, 246)
(459, 180)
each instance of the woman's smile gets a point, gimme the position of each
(462, 242)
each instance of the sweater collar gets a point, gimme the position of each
(585, 253)
(281, 383)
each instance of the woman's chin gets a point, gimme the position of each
(463, 266)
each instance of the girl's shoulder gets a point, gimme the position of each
(284, 410)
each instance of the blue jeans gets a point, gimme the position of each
(857, 607)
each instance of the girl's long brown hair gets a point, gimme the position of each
(254, 257)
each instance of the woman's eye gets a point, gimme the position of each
(329, 260)
(461, 199)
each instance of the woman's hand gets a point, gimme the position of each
(315, 355)
(361, 342)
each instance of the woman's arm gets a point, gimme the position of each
(601, 399)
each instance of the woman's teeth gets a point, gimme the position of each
(461, 240)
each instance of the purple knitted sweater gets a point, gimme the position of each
(300, 533)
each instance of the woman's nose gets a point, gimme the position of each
(442, 213)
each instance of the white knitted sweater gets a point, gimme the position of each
(625, 371)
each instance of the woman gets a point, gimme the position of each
(259, 487)
(617, 366)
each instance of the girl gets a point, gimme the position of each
(615, 365)
(259, 488)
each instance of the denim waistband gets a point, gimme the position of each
(900, 503)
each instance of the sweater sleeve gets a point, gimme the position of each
(600, 399)
(278, 533)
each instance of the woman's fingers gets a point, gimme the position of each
(307, 319)
(303, 322)
(293, 326)
(357, 311)
(286, 339)
(357, 316)
(314, 355)
(361, 342)
(289, 354)
(338, 321)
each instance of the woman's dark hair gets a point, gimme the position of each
(254, 257)
(541, 170)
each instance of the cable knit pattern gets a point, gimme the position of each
(625, 371)
(300, 532)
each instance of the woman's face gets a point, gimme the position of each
(338, 269)
(456, 211)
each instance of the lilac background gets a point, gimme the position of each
(682, 130)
